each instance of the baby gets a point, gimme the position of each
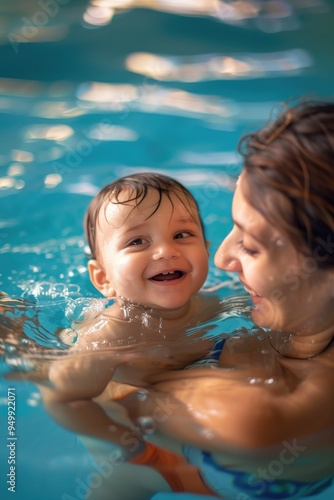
(148, 245)
(149, 253)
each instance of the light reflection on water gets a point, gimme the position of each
(215, 67)
(268, 15)
(27, 23)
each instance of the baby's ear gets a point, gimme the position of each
(99, 279)
(208, 244)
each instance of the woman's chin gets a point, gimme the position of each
(263, 315)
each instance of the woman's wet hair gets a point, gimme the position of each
(137, 186)
(289, 173)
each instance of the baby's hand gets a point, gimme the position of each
(82, 375)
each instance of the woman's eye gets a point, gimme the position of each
(183, 234)
(247, 250)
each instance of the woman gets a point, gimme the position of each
(266, 416)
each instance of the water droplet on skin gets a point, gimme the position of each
(269, 381)
(142, 395)
(255, 380)
(207, 433)
(26, 342)
(147, 425)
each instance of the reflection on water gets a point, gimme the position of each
(271, 16)
(102, 11)
(198, 68)
(29, 23)
(154, 99)
(53, 133)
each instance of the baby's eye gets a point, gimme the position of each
(136, 242)
(183, 234)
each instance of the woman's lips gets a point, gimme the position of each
(249, 291)
(254, 296)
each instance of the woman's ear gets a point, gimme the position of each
(99, 279)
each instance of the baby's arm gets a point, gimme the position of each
(88, 365)
(81, 375)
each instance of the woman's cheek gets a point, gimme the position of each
(259, 278)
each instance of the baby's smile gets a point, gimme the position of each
(168, 275)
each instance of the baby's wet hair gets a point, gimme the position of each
(138, 187)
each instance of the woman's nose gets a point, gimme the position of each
(227, 255)
(166, 250)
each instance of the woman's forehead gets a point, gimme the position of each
(248, 219)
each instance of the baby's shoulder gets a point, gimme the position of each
(205, 307)
(104, 331)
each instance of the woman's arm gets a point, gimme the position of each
(189, 405)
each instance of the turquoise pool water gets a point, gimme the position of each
(93, 90)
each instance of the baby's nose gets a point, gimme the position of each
(166, 250)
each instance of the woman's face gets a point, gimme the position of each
(288, 290)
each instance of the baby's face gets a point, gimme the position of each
(157, 260)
